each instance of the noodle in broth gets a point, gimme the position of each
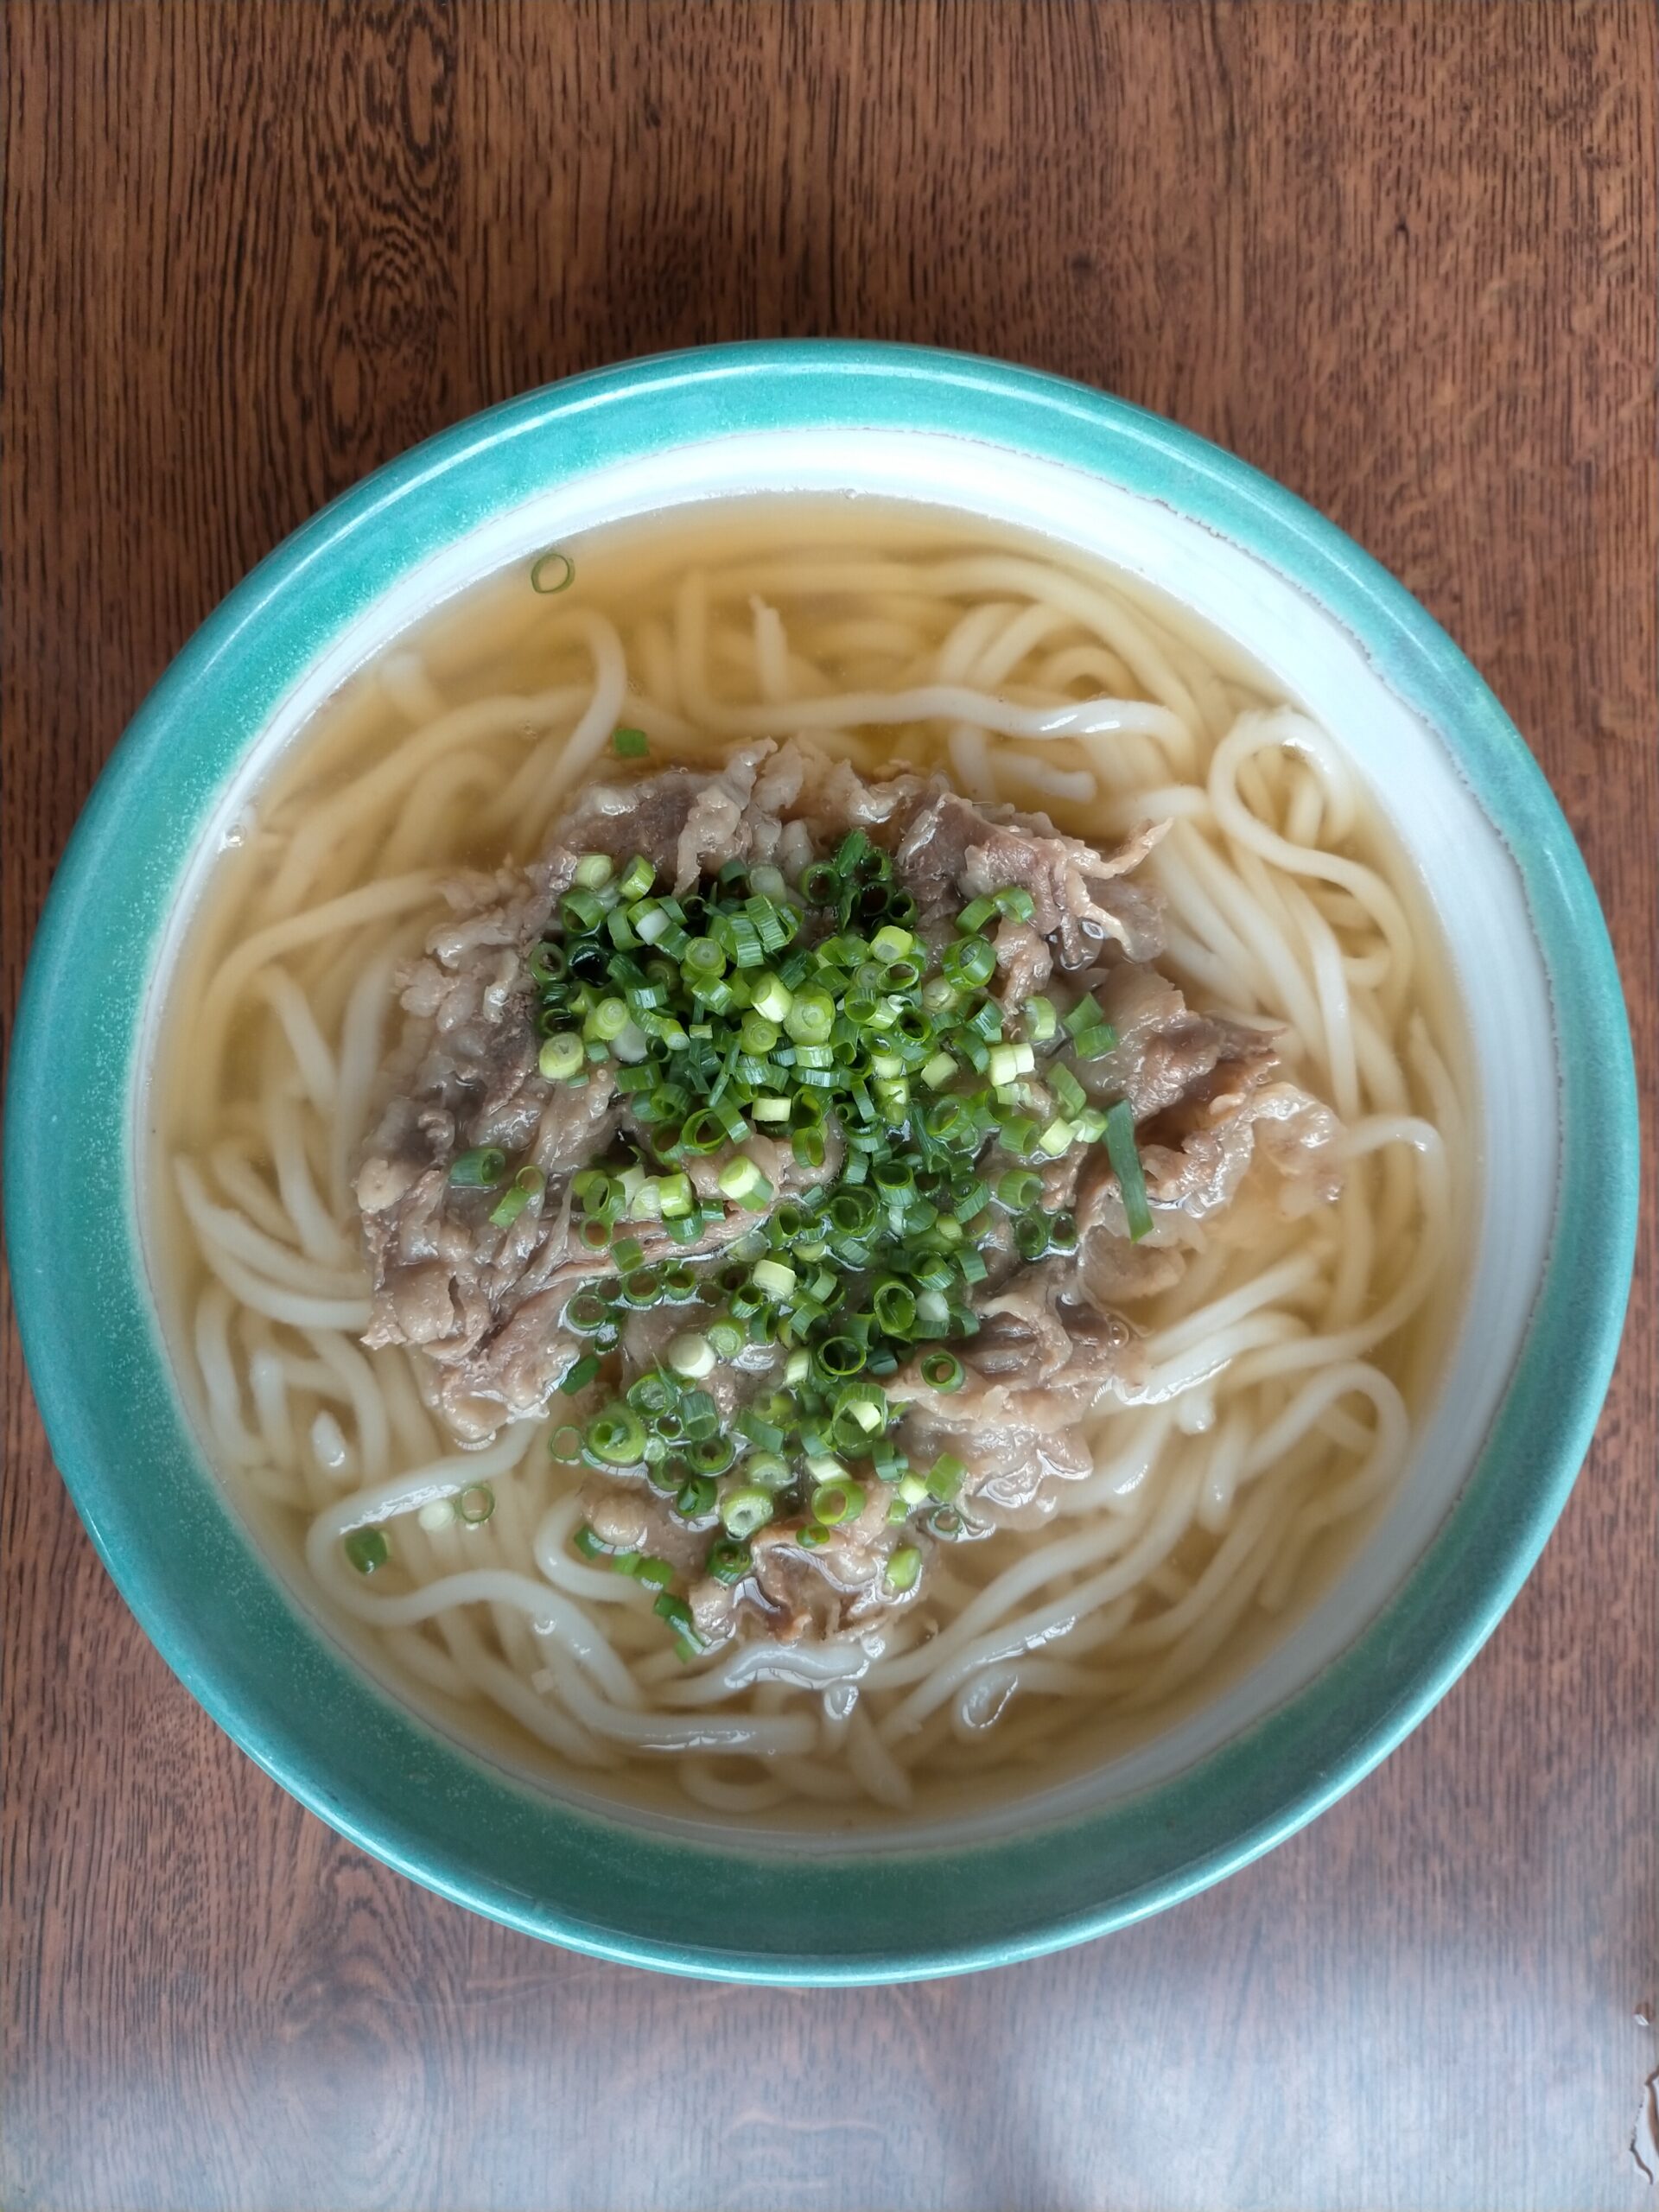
(1288, 1366)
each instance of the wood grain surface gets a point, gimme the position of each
(1401, 256)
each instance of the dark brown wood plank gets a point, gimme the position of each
(1401, 256)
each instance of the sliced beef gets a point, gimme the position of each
(1196, 1154)
(1041, 1361)
(1164, 1048)
(478, 1299)
(837, 798)
(631, 1516)
(731, 1384)
(1024, 962)
(1203, 1091)
(682, 819)
(446, 1280)
(1107, 1269)
(955, 849)
(837, 1585)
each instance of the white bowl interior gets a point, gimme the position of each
(1466, 879)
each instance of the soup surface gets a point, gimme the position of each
(808, 1157)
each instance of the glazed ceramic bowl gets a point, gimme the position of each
(1554, 1156)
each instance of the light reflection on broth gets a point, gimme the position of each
(1289, 1364)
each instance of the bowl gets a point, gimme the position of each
(1556, 1162)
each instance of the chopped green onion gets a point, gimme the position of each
(589, 1544)
(1122, 1150)
(616, 1436)
(866, 1404)
(838, 1357)
(810, 1017)
(970, 963)
(891, 943)
(481, 1168)
(552, 572)
(595, 870)
(581, 1374)
(729, 1562)
(367, 1549)
(630, 744)
(1066, 1087)
(770, 997)
(837, 1500)
(711, 1455)
(903, 1567)
(945, 1478)
(942, 1370)
(690, 1355)
(1019, 1188)
(1041, 1019)
(561, 1057)
(743, 1510)
(774, 1278)
(678, 1615)
(702, 958)
(529, 1183)
(475, 1504)
(1031, 1236)
(742, 1181)
(695, 1498)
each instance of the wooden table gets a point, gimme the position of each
(1402, 257)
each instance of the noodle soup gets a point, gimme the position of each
(1067, 1519)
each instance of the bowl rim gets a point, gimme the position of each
(195, 1577)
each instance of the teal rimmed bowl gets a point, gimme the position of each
(1549, 1272)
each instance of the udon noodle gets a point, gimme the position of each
(1288, 1367)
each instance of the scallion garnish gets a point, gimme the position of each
(561, 1057)
(1122, 1150)
(942, 1370)
(481, 1168)
(903, 1567)
(678, 1615)
(552, 572)
(744, 1509)
(837, 1500)
(630, 744)
(529, 1183)
(367, 1549)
